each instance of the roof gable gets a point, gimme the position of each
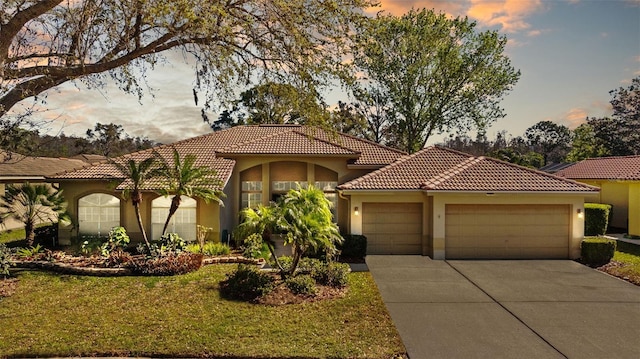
(440, 169)
(210, 150)
(613, 168)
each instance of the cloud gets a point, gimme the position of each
(509, 15)
(399, 7)
(574, 117)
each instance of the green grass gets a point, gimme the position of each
(12, 235)
(60, 315)
(629, 254)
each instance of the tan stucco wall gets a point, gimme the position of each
(278, 168)
(634, 209)
(615, 193)
(434, 205)
(207, 214)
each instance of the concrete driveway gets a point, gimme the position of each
(508, 309)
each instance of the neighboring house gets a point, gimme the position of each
(437, 202)
(619, 182)
(555, 167)
(17, 169)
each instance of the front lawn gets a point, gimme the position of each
(625, 263)
(61, 315)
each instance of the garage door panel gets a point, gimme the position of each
(392, 228)
(507, 231)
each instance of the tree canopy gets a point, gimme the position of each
(45, 43)
(619, 134)
(439, 74)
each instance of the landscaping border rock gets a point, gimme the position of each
(65, 268)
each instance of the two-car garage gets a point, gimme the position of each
(506, 231)
(449, 205)
(480, 231)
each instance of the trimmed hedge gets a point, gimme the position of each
(596, 252)
(354, 245)
(596, 218)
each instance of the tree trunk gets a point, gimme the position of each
(175, 203)
(297, 253)
(139, 218)
(30, 233)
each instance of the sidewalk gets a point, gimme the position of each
(620, 237)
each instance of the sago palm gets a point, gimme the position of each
(183, 178)
(33, 204)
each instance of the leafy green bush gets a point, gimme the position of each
(32, 253)
(209, 249)
(354, 245)
(333, 274)
(309, 265)
(172, 243)
(596, 218)
(170, 264)
(5, 260)
(596, 252)
(116, 240)
(246, 283)
(253, 246)
(301, 285)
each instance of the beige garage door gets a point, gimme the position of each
(392, 228)
(507, 231)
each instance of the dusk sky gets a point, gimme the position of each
(571, 54)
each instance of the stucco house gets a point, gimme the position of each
(619, 182)
(436, 202)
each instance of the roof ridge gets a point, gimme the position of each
(533, 170)
(433, 182)
(609, 158)
(327, 142)
(262, 138)
(372, 143)
(388, 167)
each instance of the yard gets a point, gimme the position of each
(625, 263)
(184, 316)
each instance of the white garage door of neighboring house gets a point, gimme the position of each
(392, 228)
(507, 231)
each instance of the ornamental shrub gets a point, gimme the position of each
(301, 285)
(5, 260)
(252, 246)
(354, 245)
(332, 274)
(209, 249)
(596, 218)
(596, 252)
(246, 283)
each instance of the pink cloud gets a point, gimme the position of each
(399, 7)
(509, 15)
(575, 117)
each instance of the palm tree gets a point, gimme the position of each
(307, 220)
(32, 204)
(184, 179)
(136, 175)
(265, 221)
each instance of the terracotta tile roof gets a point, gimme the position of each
(18, 166)
(614, 168)
(290, 142)
(263, 139)
(441, 169)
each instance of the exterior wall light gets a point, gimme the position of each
(356, 211)
(580, 213)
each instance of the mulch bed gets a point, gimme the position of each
(616, 269)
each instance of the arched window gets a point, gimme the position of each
(183, 221)
(98, 213)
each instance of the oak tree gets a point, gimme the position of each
(45, 43)
(438, 73)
